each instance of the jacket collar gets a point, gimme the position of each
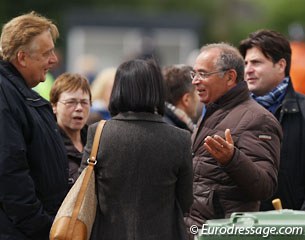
(290, 103)
(68, 141)
(15, 78)
(233, 97)
(139, 116)
(230, 100)
(290, 94)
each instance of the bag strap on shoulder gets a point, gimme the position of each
(92, 159)
(91, 162)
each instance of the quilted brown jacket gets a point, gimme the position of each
(251, 175)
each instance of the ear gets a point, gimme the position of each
(54, 107)
(281, 64)
(21, 58)
(185, 100)
(231, 78)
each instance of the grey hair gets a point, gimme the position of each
(229, 58)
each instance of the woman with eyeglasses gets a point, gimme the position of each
(70, 97)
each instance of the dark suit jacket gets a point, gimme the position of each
(291, 177)
(144, 178)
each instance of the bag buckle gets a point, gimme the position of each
(91, 161)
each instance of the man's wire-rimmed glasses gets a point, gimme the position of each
(203, 75)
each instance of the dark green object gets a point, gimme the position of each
(278, 224)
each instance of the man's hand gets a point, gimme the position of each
(220, 149)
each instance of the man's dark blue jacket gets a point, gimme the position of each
(33, 164)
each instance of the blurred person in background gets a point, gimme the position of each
(267, 57)
(181, 98)
(101, 89)
(87, 65)
(297, 68)
(236, 145)
(144, 168)
(70, 97)
(33, 165)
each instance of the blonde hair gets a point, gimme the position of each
(18, 33)
(99, 85)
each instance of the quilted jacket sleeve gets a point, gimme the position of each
(254, 166)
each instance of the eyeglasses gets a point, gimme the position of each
(72, 103)
(203, 75)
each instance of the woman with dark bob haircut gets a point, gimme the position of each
(144, 168)
(138, 87)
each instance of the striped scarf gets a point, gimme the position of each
(274, 98)
(181, 115)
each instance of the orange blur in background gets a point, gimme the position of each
(297, 71)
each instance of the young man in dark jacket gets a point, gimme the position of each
(236, 144)
(33, 165)
(268, 57)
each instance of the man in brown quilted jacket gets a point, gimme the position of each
(236, 146)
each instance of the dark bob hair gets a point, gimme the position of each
(138, 87)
